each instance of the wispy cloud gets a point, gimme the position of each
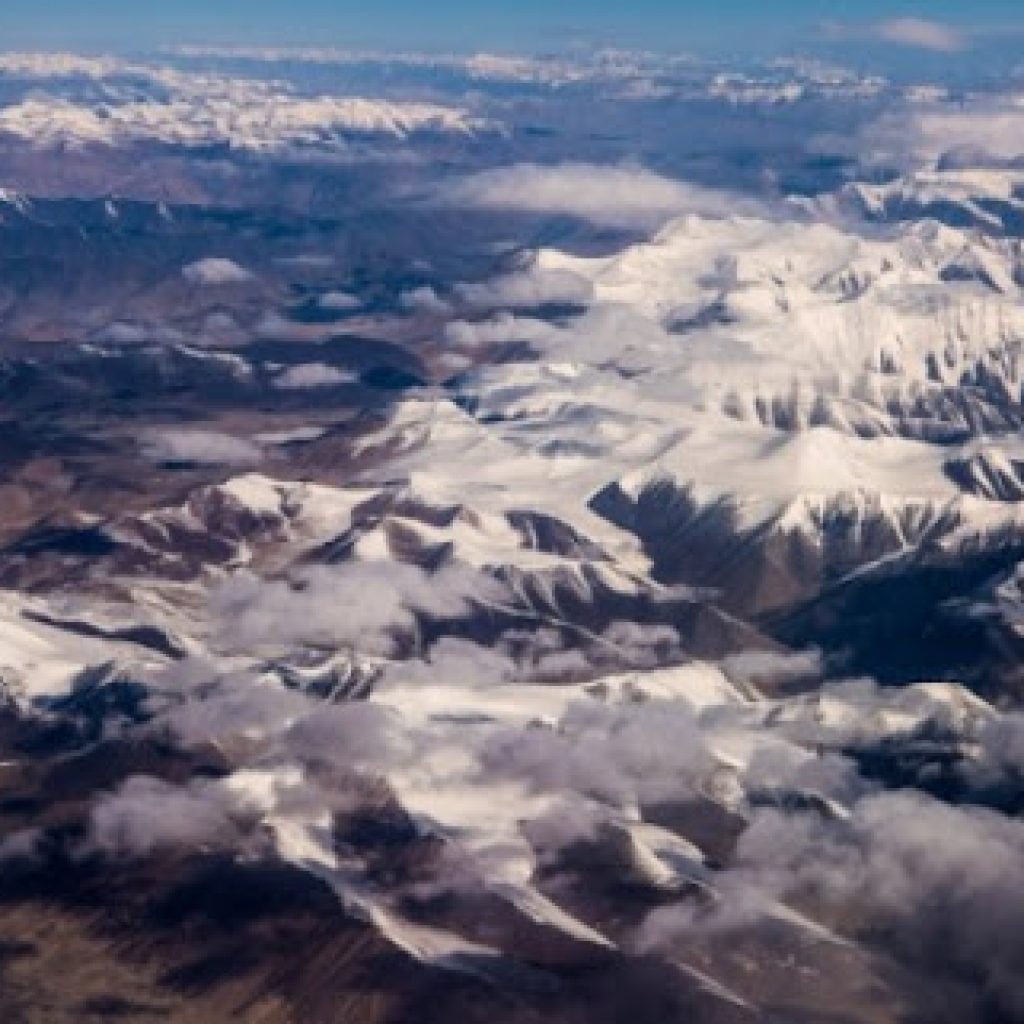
(916, 33)
(923, 34)
(199, 446)
(312, 375)
(616, 196)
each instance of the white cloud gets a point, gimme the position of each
(610, 195)
(941, 886)
(295, 435)
(984, 132)
(123, 333)
(534, 287)
(600, 67)
(337, 301)
(146, 814)
(312, 375)
(497, 331)
(214, 270)
(922, 33)
(424, 300)
(356, 604)
(1001, 749)
(916, 33)
(202, 446)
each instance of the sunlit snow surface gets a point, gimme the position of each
(533, 607)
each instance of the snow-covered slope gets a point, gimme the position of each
(986, 199)
(247, 122)
(858, 394)
(635, 628)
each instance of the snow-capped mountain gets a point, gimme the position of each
(816, 399)
(449, 572)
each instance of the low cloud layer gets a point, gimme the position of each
(146, 814)
(359, 605)
(216, 270)
(200, 446)
(527, 288)
(312, 375)
(942, 887)
(624, 197)
(981, 132)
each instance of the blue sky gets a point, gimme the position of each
(693, 25)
